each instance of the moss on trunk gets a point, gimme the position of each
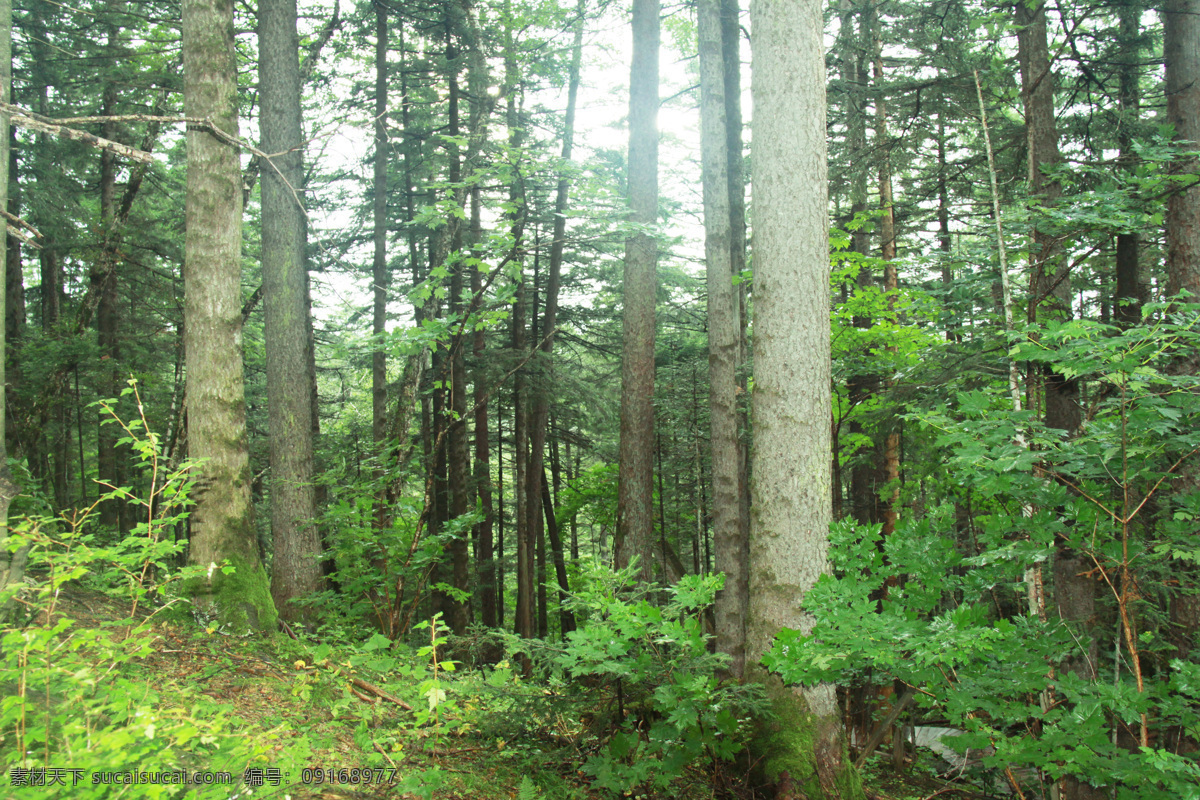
(801, 754)
(238, 601)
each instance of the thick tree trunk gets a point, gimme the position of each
(223, 520)
(801, 749)
(1181, 51)
(1181, 48)
(635, 494)
(296, 568)
(724, 343)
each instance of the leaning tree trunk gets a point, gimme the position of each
(800, 748)
(223, 520)
(635, 494)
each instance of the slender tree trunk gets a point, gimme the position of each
(635, 494)
(524, 622)
(12, 565)
(457, 456)
(724, 342)
(223, 520)
(800, 748)
(296, 567)
(380, 275)
(109, 461)
(1127, 301)
(485, 562)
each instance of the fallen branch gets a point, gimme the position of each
(375, 690)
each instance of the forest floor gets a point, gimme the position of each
(351, 722)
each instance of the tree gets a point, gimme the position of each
(801, 748)
(635, 500)
(1181, 51)
(380, 274)
(12, 565)
(724, 341)
(296, 568)
(223, 520)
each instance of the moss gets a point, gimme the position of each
(806, 747)
(240, 602)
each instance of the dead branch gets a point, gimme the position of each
(375, 690)
(36, 122)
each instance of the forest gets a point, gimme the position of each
(534, 399)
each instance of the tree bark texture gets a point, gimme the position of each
(380, 275)
(1127, 298)
(12, 565)
(1181, 51)
(792, 400)
(724, 343)
(296, 568)
(223, 520)
(635, 493)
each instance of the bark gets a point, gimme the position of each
(724, 343)
(223, 520)
(458, 615)
(524, 534)
(803, 746)
(1051, 297)
(865, 473)
(296, 567)
(1181, 48)
(1181, 51)
(1127, 301)
(635, 493)
(12, 564)
(380, 275)
(110, 459)
(540, 413)
(485, 561)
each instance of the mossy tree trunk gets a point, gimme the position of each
(800, 749)
(223, 521)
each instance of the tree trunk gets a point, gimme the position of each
(296, 568)
(486, 559)
(380, 275)
(223, 520)
(1181, 48)
(801, 748)
(724, 343)
(1127, 300)
(12, 565)
(1181, 51)
(458, 615)
(110, 461)
(635, 493)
